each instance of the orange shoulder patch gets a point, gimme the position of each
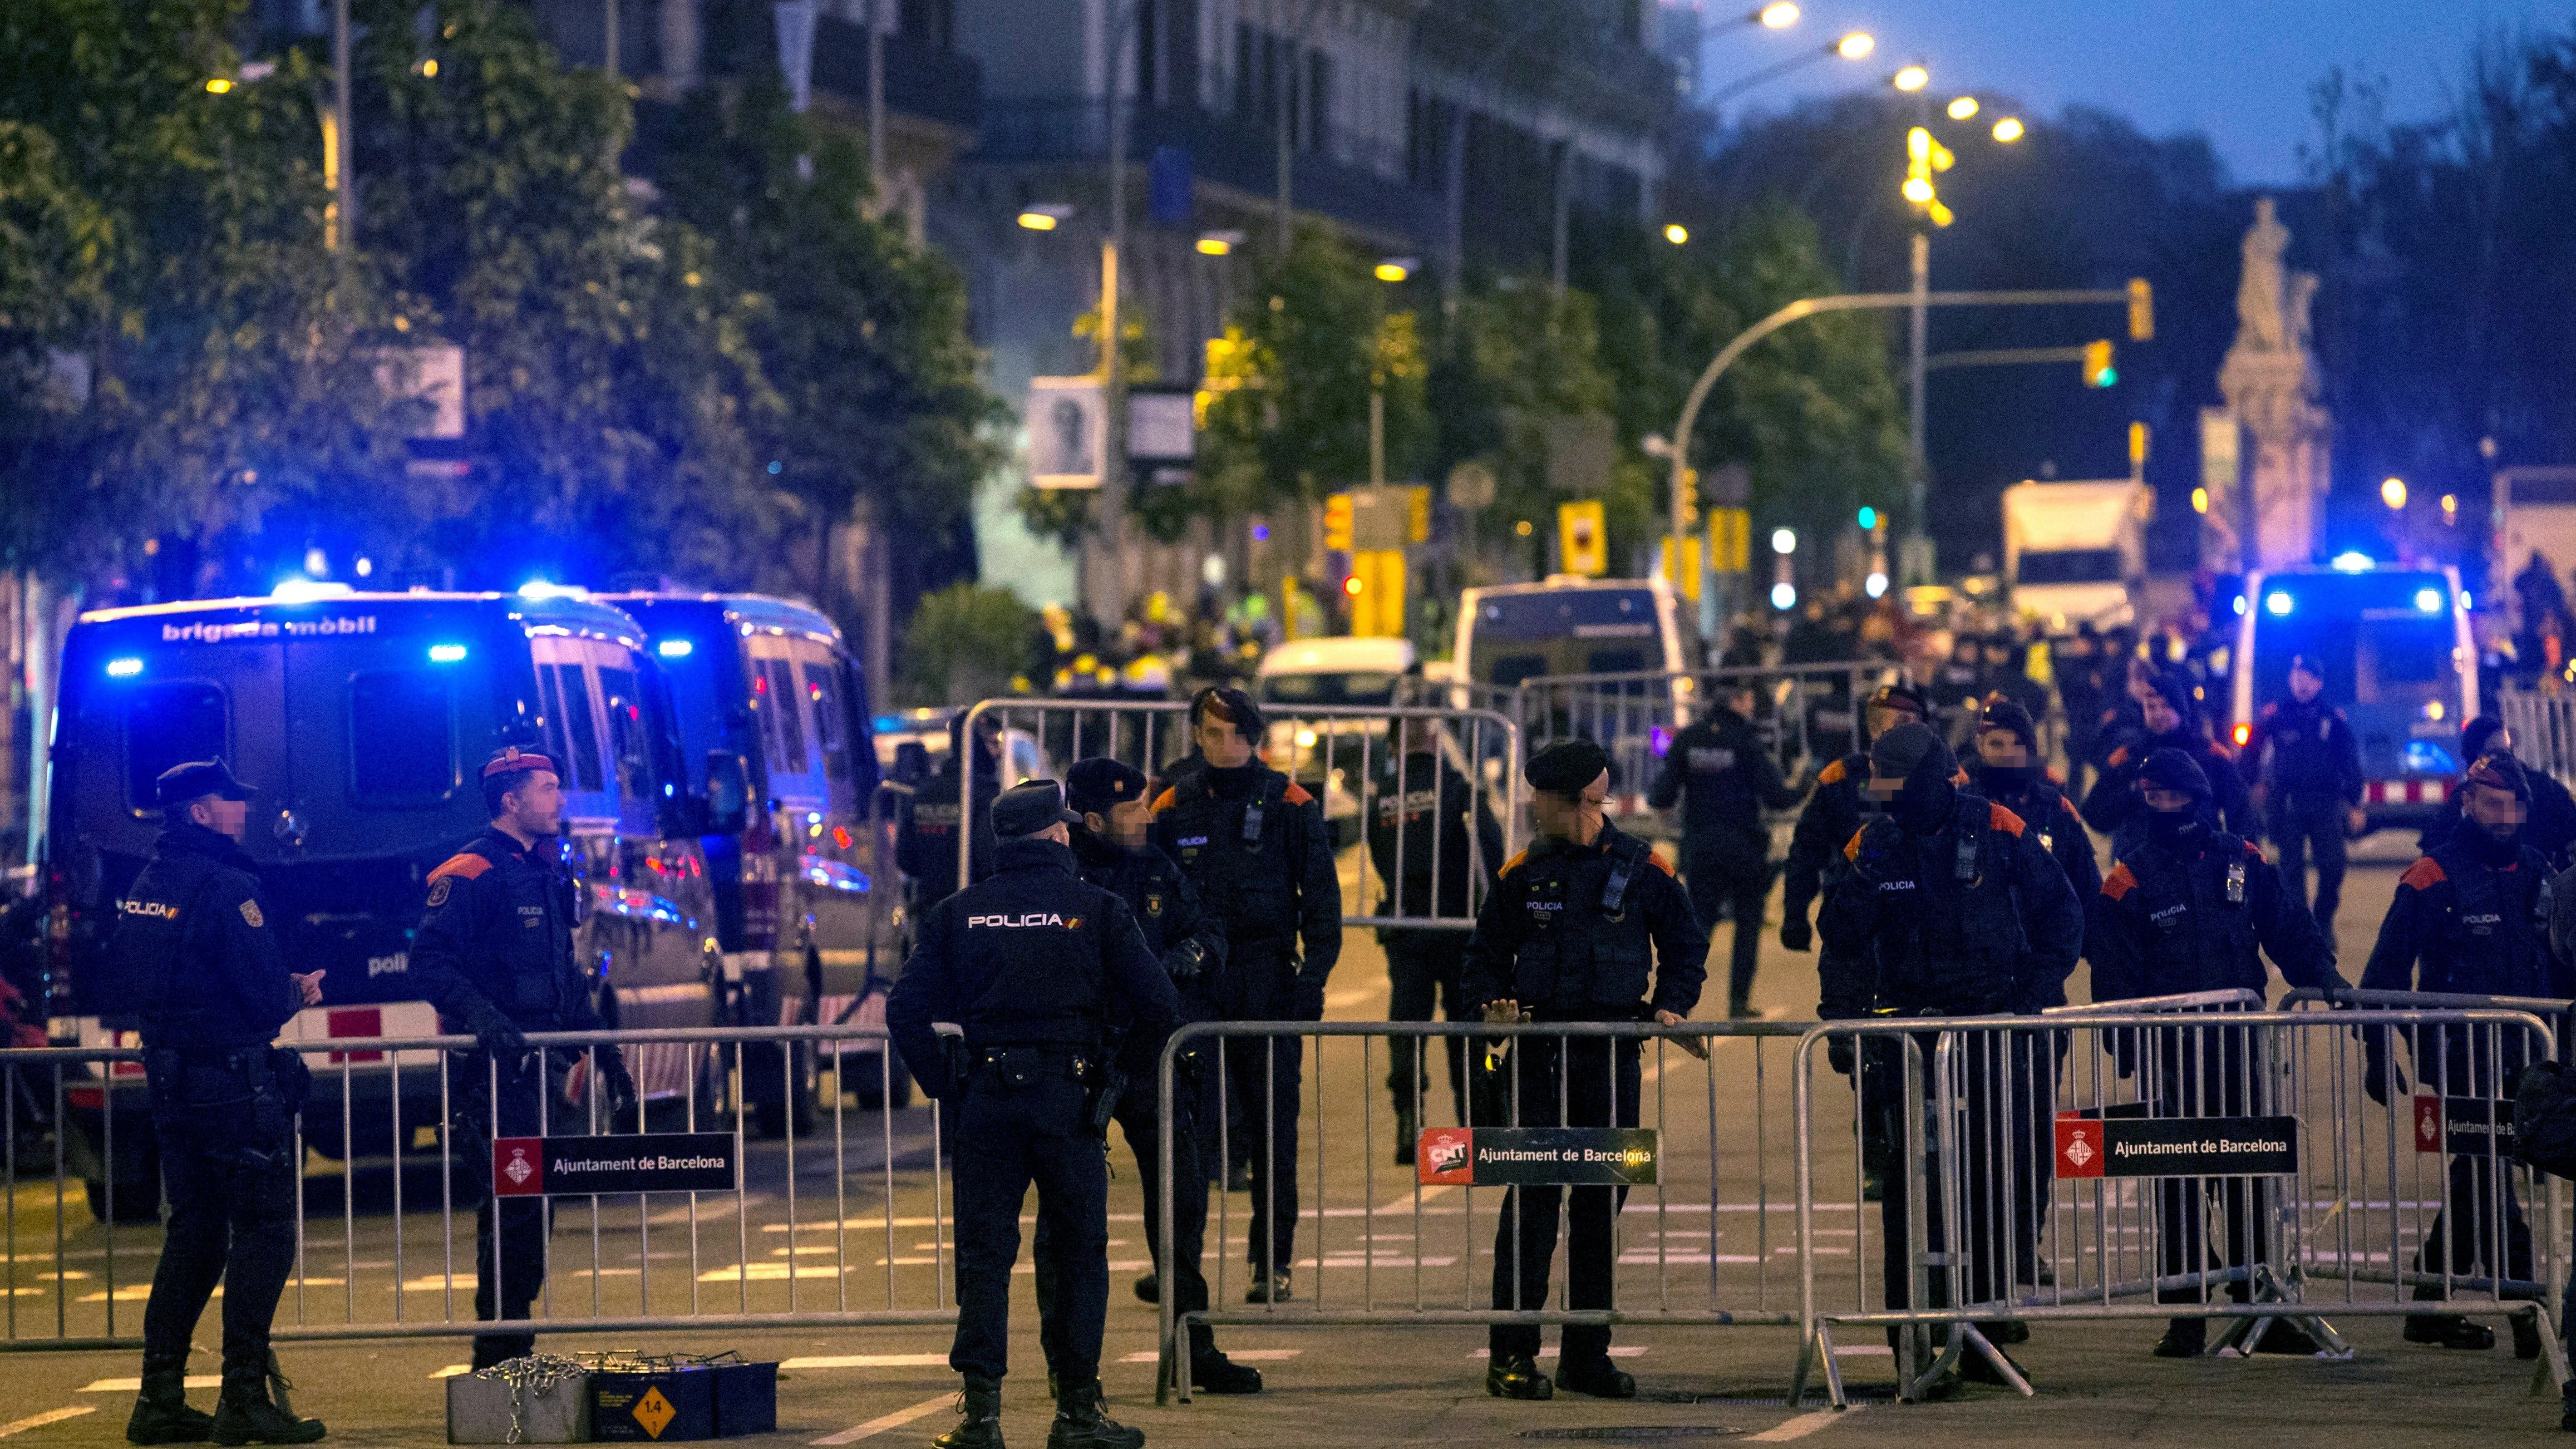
(1164, 801)
(1665, 865)
(2221, 753)
(1514, 863)
(1297, 794)
(464, 863)
(1960, 776)
(2119, 757)
(1832, 774)
(1852, 850)
(1998, 818)
(2119, 882)
(2423, 874)
(2071, 812)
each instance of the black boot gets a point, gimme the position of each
(244, 1414)
(979, 1417)
(1598, 1377)
(2184, 1338)
(161, 1413)
(1079, 1424)
(1212, 1372)
(1517, 1377)
(1149, 1289)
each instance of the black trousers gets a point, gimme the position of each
(1015, 1137)
(1264, 1076)
(1730, 878)
(2000, 1111)
(2298, 823)
(510, 1233)
(1423, 969)
(230, 1179)
(2216, 1072)
(1137, 1117)
(2478, 1063)
(1597, 1087)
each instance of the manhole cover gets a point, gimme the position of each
(1636, 1433)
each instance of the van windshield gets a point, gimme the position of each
(2069, 566)
(2371, 634)
(1563, 631)
(1357, 686)
(170, 724)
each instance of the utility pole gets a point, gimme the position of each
(340, 151)
(1110, 549)
(1917, 470)
(608, 30)
(1564, 169)
(876, 109)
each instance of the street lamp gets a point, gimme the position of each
(1396, 269)
(1046, 217)
(1219, 243)
(1778, 15)
(1677, 234)
(2008, 130)
(1911, 78)
(1854, 46)
(2393, 493)
(1964, 108)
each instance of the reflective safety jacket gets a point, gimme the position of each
(1576, 932)
(2458, 924)
(1972, 918)
(2168, 922)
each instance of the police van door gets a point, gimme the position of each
(795, 803)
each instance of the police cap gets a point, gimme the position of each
(2500, 771)
(180, 784)
(1566, 767)
(1092, 786)
(1900, 697)
(1900, 751)
(2171, 769)
(511, 760)
(2003, 714)
(1029, 807)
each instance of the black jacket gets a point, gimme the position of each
(925, 839)
(1902, 929)
(2551, 830)
(2115, 808)
(2047, 813)
(2172, 921)
(1420, 808)
(194, 953)
(2313, 752)
(1724, 779)
(1267, 877)
(498, 937)
(2458, 924)
(1835, 811)
(1550, 938)
(1178, 929)
(1033, 955)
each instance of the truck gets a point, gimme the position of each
(2535, 522)
(2073, 550)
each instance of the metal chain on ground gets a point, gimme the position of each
(529, 1377)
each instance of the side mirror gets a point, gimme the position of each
(728, 792)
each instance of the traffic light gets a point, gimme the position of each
(2142, 311)
(2098, 371)
(1338, 516)
(2137, 445)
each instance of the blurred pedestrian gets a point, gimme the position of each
(2170, 719)
(1723, 779)
(2304, 764)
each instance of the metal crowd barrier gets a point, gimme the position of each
(854, 1230)
(2544, 728)
(1362, 763)
(1809, 712)
(1380, 1247)
(2111, 1162)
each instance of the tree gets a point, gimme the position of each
(964, 644)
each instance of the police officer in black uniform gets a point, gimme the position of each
(2551, 828)
(195, 956)
(926, 826)
(1254, 842)
(1587, 925)
(2471, 918)
(1040, 969)
(2188, 910)
(2171, 718)
(1834, 810)
(1724, 779)
(1947, 905)
(1420, 810)
(1113, 849)
(2008, 773)
(494, 955)
(2311, 786)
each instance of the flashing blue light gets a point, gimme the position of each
(1784, 596)
(124, 668)
(2239, 602)
(2277, 604)
(300, 590)
(1868, 517)
(674, 648)
(2353, 561)
(446, 653)
(2429, 600)
(2467, 603)
(2428, 757)
(540, 589)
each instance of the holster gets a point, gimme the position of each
(1101, 1096)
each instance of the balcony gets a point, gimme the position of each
(921, 80)
(1352, 179)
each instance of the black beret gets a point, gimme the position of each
(2500, 771)
(2171, 769)
(1566, 767)
(1900, 751)
(2475, 734)
(1900, 696)
(180, 784)
(1094, 785)
(1029, 807)
(2177, 688)
(1230, 704)
(2003, 714)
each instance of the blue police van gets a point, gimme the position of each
(360, 722)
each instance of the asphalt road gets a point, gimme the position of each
(861, 1236)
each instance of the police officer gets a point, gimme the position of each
(2008, 773)
(1421, 808)
(2185, 911)
(1573, 932)
(195, 956)
(1112, 849)
(2551, 827)
(494, 955)
(1947, 905)
(1039, 968)
(925, 841)
(2311, 787)
(2170, 719)
(1255, 844)
(1834, 810)
(1724, 779)
(2471, 918)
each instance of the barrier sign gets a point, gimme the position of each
(2177, 1146)
(582, 1166)
(1532, 1156)
(2466, 1122)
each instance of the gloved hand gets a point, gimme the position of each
(620, 1085)
(1185, 961)
(1307, 1003)
(2378, 1073)
(1796, 934)
(499, 1036)
(1839, 1052)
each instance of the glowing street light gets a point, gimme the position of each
(1778, 15)
(1219, 243)
(2008, 130)
(1856, 46)
(1677, 234)
(1918, 190)
(1911, 79)
(1396, 269)
(2393, 493)
(1045, 218)
(1964, 108)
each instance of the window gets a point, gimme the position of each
(629, 738)
(831, 723)
(786, 727)
(166, 725)
(402, 737)
(579, 726)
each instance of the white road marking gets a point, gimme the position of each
(1405, 1203)
(453, 1370)
(1239, 1355)
(1625, 1350)
(869, 1360)
(135, 1385)
(50, 1416)
(883, 1422)
(1801, 1426)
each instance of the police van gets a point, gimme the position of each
(1511, 634)
(2399, 662)
(774, 724)
(360, 722)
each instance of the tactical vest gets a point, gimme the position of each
(1949, 934)
(1587, 947)
(2200, 918)
(2489, 943)
(1243, 855)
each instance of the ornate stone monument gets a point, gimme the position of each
(2266, 515)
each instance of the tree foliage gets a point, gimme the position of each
(964, 644)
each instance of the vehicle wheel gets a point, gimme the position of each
(775, 1119)
(138, 1201)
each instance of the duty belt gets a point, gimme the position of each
(1018, 1066)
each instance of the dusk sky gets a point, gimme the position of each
(2237, 70)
